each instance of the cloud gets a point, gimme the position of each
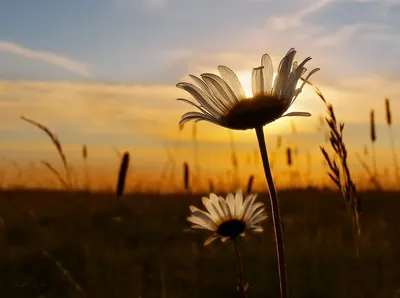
(284, 22)
(77, 67)
(154, 4)
(344, 33)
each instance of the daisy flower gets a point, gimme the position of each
(222, 100)
(228, 218)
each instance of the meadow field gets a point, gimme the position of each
(81, 244)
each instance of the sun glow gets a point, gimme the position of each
(245, 79)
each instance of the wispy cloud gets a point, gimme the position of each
(294, 19)
(344, 33)
(77, 67)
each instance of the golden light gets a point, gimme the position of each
(245, 78)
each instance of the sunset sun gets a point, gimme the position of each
(245, 79)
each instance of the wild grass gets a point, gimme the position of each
(186, 176)
(392, 145)
(122, 258)
(373, 140)
(56, 142)
(123, 170)
(341, 176)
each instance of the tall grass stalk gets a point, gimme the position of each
(373, 140)
(341, 178)
(389, 123)
(56, 143)
(123, 169)
(250, 184)
(56, 173)
(186, 176)
(65, 272)
(85, 165)
(371, 175)
(195, 151)
(234, 160)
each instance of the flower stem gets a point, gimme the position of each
(241, 287)
(276, 220)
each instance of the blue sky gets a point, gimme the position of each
(151, 41)
(103, 72)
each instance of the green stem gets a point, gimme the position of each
(241, 287)
(276, 220)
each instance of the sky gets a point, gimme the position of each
(103, 73)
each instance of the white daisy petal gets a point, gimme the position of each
(298, 91)
(257, 81)
(210, 97)
(230, 200)
(210, 239)
(238, 203)
(200, 222)
(223, 87)
(224, 211)
(247, 205)
(302, 114)
(257, 229)
(210, 208)
(204, 111)
(283, 72)
(230, 77)
(201, 97)
(205, 217)
(258, 219)
(199, 227)
(224, 206)
(255, 213)
(222, 98)
(267, 73)
(198, 117)
(196, 211)
(215, 203)
(220, 95)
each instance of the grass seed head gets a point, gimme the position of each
(123, 169)
(372, 128)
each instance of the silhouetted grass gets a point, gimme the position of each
(138, 246)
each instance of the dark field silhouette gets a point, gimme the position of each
(79, 244)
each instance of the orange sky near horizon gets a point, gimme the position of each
(143, 119)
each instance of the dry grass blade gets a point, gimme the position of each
(342, 178)
(56, 143)
(185, 176)
(84, 152)
(123, 169)
(389, 122)
(370, 173)
(388, 112)
(373, 139)
(250, 184)
(65, 273)
(211, 185)
(289, 156)
(56, 173)
(372, 127)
